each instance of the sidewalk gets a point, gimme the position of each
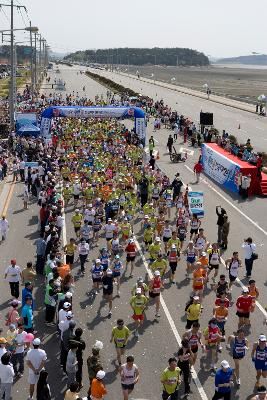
(213, 98)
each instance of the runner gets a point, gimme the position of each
(97, 273)
(129, 376)
(233, 264)
(239, 345)
(193, 335)
(138, 303)
(131, 250)
(243, 305)
(213, 338)
(170, 378)
(155, 287)
(120, 335)
(107, 282)
(173, 257)
(259, 357)
(116, 270)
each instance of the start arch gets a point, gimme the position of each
(94, 112)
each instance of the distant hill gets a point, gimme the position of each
(260, 59)
(140, 56)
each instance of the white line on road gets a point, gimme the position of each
(171, 322)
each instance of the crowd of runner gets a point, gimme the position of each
(95, 172)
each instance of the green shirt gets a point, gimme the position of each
(138, 304)
(120, 336)
(172, 377)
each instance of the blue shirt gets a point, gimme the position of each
(26, 293)
(223, 377)
(27, 313)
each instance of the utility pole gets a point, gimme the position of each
(32, 74)
(35, 60)
(12, 87)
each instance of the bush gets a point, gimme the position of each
(115, 87)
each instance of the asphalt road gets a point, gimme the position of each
(251, 125)
(158, 340)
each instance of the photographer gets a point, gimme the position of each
(250, 255)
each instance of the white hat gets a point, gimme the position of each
(146, 216)
(90, 205)
(157, 239)
(195, 297)
(66, 305)
(69, 314)
(77, 210)
(131, 241)
(225, 364)
(100, 375)
(36, 342)
(138, 290)
(245, 290)
(97, 260)
(262, 338)
(68, 295)
(203, 254)
(173, 246)
(157, 273)
(109, 272)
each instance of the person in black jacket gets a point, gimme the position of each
(170, 143)
(177, 184)
(220, 213)
(143, 187)
(43, 388)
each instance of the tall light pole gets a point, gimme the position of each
(13, 91)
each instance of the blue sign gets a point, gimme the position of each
(196, 203)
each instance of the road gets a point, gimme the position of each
(251, 125)
(158, 340)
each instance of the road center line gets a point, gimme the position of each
(171, 322)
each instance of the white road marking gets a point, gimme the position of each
(188, 151)
(230, 203)
(171, 322)
(260, 307)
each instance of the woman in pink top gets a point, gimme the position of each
(13, 315)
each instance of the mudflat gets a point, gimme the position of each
(243, 84)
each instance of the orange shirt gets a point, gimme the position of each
(204, 261)
(220, 313)
(98, 389)
(199, 276)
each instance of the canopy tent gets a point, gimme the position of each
(29, 130)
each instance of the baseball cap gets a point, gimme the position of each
(36, 342)
(66, 305)
(109, 219)
(97, 260)
(90, 205)
(195, 297)
(225, 364)
(245, 290)
(203, 254)
(173, 246)
(69, 314)
(117, 256)
(77, 210)
(138, 290)
(157, 273)
(68, 295)
(109, 272)
(131, 241)
(3, 340)
(100, 375)
(157, 239)
(12, 326)
(262, 338)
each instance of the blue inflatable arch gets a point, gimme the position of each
(94, 112)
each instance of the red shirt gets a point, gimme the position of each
(226, 302)
(244, 303)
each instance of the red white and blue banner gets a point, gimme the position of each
(219, 167)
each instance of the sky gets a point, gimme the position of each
(218, 28)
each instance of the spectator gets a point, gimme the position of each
(6, 376)
(43, 389)
(35, 360)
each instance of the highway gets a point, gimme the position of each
(159, 339)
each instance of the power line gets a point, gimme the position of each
(2, 9)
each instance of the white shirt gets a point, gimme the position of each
(76, 188)
(6, 373)
(13, 273)
(36, 356)
(83, 248)
(20, 340)
(2, 351)
(109, 229)
(60, 221)
(4, 225)
(249, 249)
(64, 325)
(62, 314)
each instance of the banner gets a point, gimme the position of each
(140, 127)
(196, 203)
(45, 127)
(220, 168)
(31, 164)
